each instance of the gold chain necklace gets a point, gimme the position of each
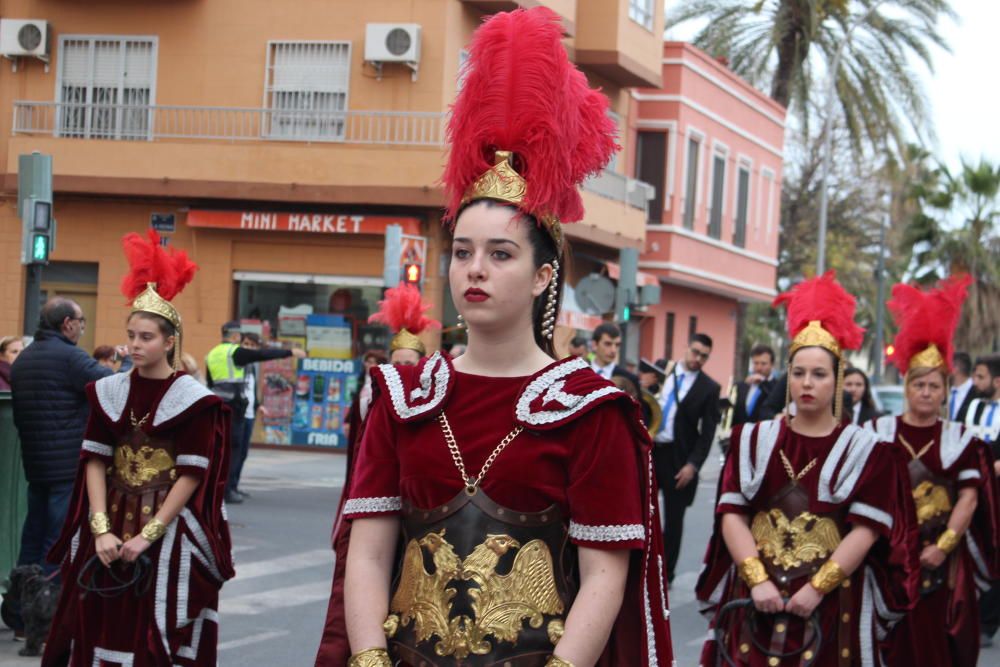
(791, 471)
(472, 483)
(914, 454)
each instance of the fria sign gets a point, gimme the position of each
(309, 223)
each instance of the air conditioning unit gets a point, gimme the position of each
(393, 43)
(24, 38)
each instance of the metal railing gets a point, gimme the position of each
(621, 188)
(152, 123)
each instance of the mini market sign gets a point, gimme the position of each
(305, 223)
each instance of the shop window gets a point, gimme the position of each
(105, 86)
(641, 11)
(692, 327)
(742, 206)
(650, 166)
(718, 196)
(306, 90)
(668, 351)
(691, 183)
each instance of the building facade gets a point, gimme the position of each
(275, 142)
(711, 145)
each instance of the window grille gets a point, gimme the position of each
(306, 90)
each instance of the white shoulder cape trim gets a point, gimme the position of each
(752, 471)
(551, 384)
(434, 379)
(112, 394)
(853, 447)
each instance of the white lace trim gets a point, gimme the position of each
(370, 505)
(182, 394)
(192, 460)
(954, 442)
(434, 377)
(551, 383)
(884, 428)
(607, 533)
(969, 473)
(873, 513)
(752, 472)
(854, 446)
(731, 498)
(112, 394)
(106, 655)
(98, 448)
(977, 555)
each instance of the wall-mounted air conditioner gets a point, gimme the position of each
(393, 43)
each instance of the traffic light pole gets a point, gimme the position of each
(32, 298)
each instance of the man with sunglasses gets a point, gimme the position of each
(690, 403)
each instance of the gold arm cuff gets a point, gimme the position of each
(948, 540)
(153, 530)
(556, 661)
(752, 571)
(829, 576)
(100, 523)
(372, 657)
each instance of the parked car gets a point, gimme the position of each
(889, 399)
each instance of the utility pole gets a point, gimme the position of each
(38, 229)
(880, 299)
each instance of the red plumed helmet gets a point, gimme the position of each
(822, 299)
(522, 94)
(925, 319)
(150, 262)
(403, 308)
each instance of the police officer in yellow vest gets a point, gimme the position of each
(225, 367)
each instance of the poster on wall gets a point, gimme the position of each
(277, 399)
(328, 336)
(323, 391)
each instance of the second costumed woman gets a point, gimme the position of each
(813, 516)
(517, 488)
(146, 545)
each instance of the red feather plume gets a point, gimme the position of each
(403, 308)
(522, 94)
(822, 298)
(149, 262)
(927, 317)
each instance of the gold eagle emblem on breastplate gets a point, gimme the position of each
(789, 544)
(931, 500)
(137, 466)
(501, 603)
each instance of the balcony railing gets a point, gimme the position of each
(621, 188)
(152, 123)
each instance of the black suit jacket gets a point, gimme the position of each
(695, 422)
(963, 409)
(740, 415)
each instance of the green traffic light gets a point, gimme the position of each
(626, 314)
(40, 248)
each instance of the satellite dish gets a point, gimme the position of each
(595, 294)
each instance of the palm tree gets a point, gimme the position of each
(783, 45)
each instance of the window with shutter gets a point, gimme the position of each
(105, 86)
(306, 90)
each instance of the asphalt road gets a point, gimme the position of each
(272, 612)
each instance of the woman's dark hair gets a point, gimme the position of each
(166, 328)
(866, 398)
(102, 352)
(543, 251)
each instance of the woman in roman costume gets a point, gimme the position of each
(954, 490)
(146, 546)
(812, 522)
(516, 487)
(402, 310)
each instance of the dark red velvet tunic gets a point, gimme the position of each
(583, 449)
(943, 628)
(175, 622)
(864, 484)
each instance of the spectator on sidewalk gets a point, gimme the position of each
(10, 347)
(105, 356)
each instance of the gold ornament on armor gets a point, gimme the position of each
(136, 467)
(373, 657)
(556, 661)
(948, 540)
(789, 544)
(100, 524)
(931, 500)
(501, 603)
(153, 530)
(829, 576)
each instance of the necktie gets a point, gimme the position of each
(952, 412)
(671, 398)
(989, 423)
(752, 403)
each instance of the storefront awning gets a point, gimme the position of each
(641, 278)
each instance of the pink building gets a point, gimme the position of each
(711, 145)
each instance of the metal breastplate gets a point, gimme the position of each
(479, 584)
(142, 463)
(792, 541)
(934, 497)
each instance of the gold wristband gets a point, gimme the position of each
(556, 661)
(153, 530)
(100, 523)
(372, 657)
(948, 540)
(752, 571)
(829, 576)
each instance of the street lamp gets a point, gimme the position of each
(827, 122)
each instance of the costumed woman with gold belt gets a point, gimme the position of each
(146, 546)
(517, 487)
(954, 489)
(402, 310)
(813, 516)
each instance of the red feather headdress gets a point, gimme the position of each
(526, 128)
(821, 312)
(927, 322)
(403, 310)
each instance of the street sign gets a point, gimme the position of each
(165, 223)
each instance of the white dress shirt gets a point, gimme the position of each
(604, 371)
(686, 378)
